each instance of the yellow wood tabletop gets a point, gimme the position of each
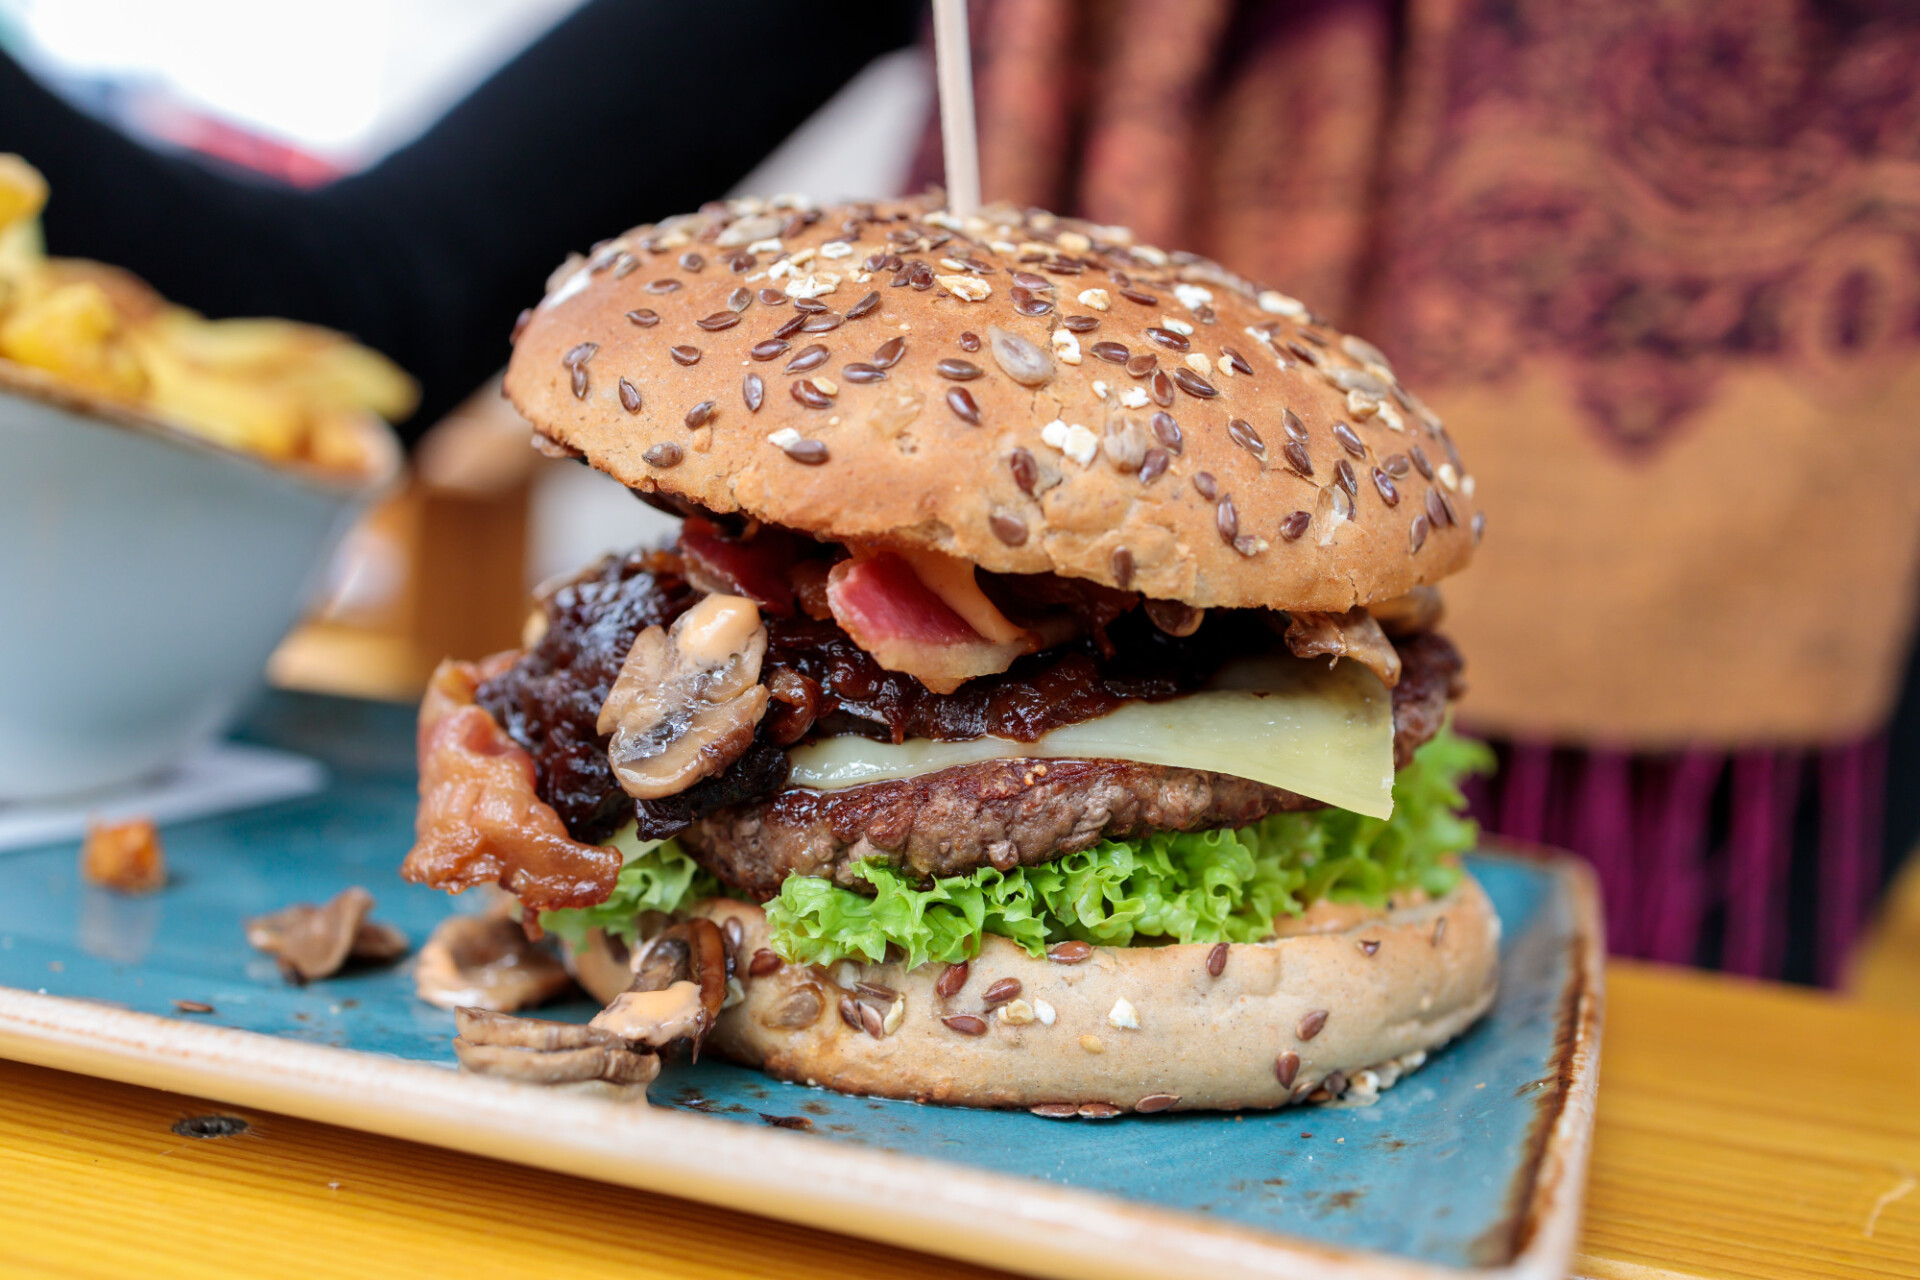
(1744, 1130)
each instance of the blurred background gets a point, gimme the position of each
(1658, 265)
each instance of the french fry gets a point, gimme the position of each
(327, 369)
(74, 333)
(238, 412)
(289, 392)
(23, 192)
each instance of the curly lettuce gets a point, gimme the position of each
(1201, 886)
(655, 875)
(1194, 886)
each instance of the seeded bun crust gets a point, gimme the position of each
(1296, 472)
(1208, 1042)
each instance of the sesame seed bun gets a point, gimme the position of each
(1346, 1006)
(1248, 455)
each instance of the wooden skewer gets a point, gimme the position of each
(953, 63)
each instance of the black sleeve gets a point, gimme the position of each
(624, 112)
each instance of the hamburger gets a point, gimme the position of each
(1042, 705)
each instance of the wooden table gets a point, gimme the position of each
(1745, 1130)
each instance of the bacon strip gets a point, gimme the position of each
(1353, 634)
(480, 820)
(880, 602)
(955, 582)
(755, 568)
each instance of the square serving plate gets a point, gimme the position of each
(1471, 1166)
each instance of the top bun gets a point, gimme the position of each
(1029, 392)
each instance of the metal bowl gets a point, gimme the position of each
(145, 576)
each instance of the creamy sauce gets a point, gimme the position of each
(714, 630)
(438, 981)
(652, 1017)
(486, 964)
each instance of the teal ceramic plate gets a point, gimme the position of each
(1471, 1165)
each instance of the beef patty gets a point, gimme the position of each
(1020, 812)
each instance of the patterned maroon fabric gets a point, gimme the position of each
(1659, 262)
(1704, 195)
(1695, 850)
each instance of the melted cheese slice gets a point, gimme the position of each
(1323, 732)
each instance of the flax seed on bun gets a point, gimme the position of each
(1305, 1016)
(1030, 393)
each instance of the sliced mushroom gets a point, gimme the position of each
(378, 942)
(679, 986)
(1418, 610)
(687, 699)
(1353, 634)
(657, 1018)
(314, 942)
(490, 1026)
(694, 950)
(541, 1052)
(486, 964)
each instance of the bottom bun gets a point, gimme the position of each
(1342, 1005)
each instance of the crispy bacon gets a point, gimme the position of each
(480, 820)
(755, 567)
(957, 584)
(1353, 634)
(883, 605)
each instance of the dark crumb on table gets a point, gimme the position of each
(210, 1126)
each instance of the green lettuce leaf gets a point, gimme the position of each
(1200, 886)
(656, 875)
(1203, 886)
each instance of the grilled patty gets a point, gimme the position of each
(1007, 813)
